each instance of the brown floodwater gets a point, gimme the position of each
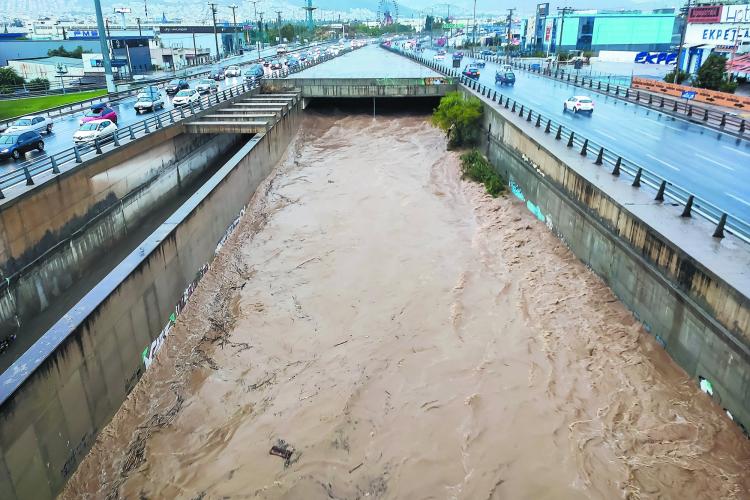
(405, 336)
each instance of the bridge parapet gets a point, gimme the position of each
(363, 87)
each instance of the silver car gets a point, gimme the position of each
(36, 123)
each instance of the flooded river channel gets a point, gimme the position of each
(389, 331)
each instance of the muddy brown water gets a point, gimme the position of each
(405, 336)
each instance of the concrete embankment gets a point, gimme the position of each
(62, 391)
(56, 233)
(687, 288)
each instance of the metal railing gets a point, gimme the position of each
(714, 118)
(52, 163)
(74, 107)
(604, 157)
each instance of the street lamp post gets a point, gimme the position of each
(104, 47)
(61, 70)
(474, 41)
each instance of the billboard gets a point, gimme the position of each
(122, 10)
(715, 34)
(705, 14)
(542, 9)
(736, 14)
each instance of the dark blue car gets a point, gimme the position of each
(292, 63)
(17, 145)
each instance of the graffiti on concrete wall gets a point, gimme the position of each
(149, 353)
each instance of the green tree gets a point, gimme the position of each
(287, 32)
(61, 51)
(712, 73)
(676, 76)
(38, 84)
(459, 118)
(9, 78)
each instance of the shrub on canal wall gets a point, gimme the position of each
(476, 167)
(459, 117)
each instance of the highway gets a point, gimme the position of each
(61, 137)
(711, 164)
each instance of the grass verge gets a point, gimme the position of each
(476, 167)
(17, 107)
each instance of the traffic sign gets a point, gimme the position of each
(688, 94)
(453, 25)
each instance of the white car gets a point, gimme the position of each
(95, 129)
(206, 86)
(233, 70)
(36, 123)
(579, 103)
(440, 55)
(185, 97)
(148, 102)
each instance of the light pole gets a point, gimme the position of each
(562, 11)
(680, 59)
(255, 20)
(61, 70)
(216, 35)
(105, 49)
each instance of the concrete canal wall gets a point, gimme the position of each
(59, 394)
(701, 319)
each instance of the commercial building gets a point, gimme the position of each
(723, 29)
(595, 30)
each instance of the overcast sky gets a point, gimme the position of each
(527, 6)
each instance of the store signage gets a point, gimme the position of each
(736, 14)
(656, 57)
(547, 33)
(715, 34)
(84, 34)
(688, 94)
(705, 14)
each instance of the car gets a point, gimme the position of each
(148, 101)
(148, 91)
(176, 85)
(17, 145)
(480, 64)
(579, 103)
(206, 86)
(99, 112)
(233, 71)
(506, 68)
(505, 78)
(37, 123)
(440, 55)
(487, 52)
(93, 130)
(281, 49)
(471, 71)
(302, 56)
(186, 96)
(292, 63)
(276, 64)
(458, 55)
(218, 74)
(266, 62)
(253, 73)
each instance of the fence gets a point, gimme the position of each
(605, 157)
(52, 163)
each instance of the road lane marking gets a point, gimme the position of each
(735, 150)
(656, 138)
(663, 162)
(606, 135)
(714, 162)
(738, 199)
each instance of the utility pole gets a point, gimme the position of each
(145, 8)
(105, 49)
(195, 51)
(680, 58)
(138, 20)
(216, 34)
(234, 31)
(474, 41)
(255, 20)
(260, 26)
(510, 22)
(562, 11)
(278, 20)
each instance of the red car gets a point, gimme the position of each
(99, 112)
